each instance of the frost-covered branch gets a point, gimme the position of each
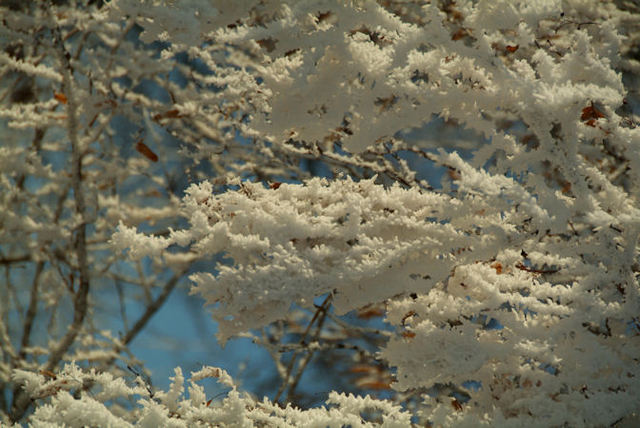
(480, 165)
(178, 409)
(513, 275)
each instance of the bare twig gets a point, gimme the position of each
(307, 358)
(320, 312)
(31, 312)
(139, 325)
(15, 259)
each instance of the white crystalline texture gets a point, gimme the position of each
(174, 409)
(523, 275)
(513, 279)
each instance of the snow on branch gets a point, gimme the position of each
(290, 244)
(70, 405)
(513, 288)
(519, 276)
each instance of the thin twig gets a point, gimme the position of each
(291, 365)
(139, 325)
(31, 312)
(310, 352)
(15, 259)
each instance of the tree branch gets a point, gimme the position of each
(80, 299)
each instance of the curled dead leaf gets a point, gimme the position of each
(171, 114)
(456, 405)
(62, 98)
(498, 267)
(145, 151)
(590, 114)
(370, 313)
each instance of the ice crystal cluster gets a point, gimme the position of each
(508, 272)
(176, 409)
